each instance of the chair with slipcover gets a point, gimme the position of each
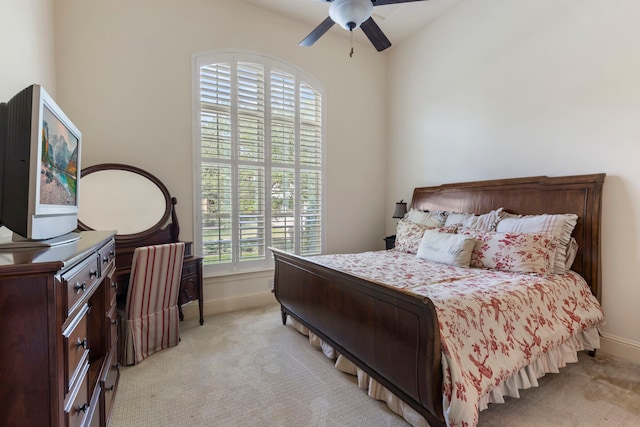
(149, 319)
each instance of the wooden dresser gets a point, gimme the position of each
(58, 334)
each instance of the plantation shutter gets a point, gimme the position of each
(251, 165)
(216, 149)
(260, 162)
(310, 181)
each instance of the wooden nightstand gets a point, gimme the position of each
(390, 241)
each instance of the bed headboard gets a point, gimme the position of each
(579, 194)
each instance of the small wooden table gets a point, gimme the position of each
(191, 284)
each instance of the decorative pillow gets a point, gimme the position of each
(408, 236)
(446, 248)
(427, 219)
(515, 252)
(484, 222)
(449, 229)
(559, 225)
(456, 218)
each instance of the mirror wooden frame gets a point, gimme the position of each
(160, 232)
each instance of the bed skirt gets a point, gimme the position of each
(525, 378)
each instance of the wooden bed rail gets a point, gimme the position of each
(390, 334)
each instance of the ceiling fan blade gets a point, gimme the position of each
(375, 35)
(383, 2)
(317, 32)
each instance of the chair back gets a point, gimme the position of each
(154, 283)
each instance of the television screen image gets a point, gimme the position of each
(59, 168)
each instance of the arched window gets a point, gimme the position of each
(259, 151)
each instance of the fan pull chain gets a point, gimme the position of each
(351, 43)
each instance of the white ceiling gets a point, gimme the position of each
(397, 21)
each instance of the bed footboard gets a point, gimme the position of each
(390, 334)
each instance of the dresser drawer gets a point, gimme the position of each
(188, 290)
(190, 280)
(79, 282)
(112, 290)
(112, 318)
(77, 402)
(93, 417)
(189, 268)
(76, 351)
(107, 255)
(110, 382)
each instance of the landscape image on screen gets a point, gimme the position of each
(59, 162)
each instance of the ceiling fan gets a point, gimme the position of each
(351, 14)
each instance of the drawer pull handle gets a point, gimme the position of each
(114, 322)
(105, 259)
(93, 274)
(80, 287)
(110, 388)
(81, 343)
(83, 407)
(114, 285)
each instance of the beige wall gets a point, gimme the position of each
(124, 71)
(26, 44)
(26, 49)
(503, 88)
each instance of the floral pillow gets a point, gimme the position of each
(559, 225)
(515, 252)
(408, 236)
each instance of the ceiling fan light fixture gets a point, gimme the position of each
(349, 14)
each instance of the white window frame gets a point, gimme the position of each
(216, 56)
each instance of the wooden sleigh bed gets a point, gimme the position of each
(393, 335)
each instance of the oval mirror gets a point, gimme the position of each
(123, 198)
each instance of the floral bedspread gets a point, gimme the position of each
(492, 323)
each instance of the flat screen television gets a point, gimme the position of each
(40, 168)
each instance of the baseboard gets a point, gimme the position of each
(223, 305)
(620, 347)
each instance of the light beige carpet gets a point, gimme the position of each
(247, 369)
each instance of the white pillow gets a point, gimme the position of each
(484, 222)
(572, 251)
(446, 248)
(558, 225)
(427, 219)
(456, 218)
